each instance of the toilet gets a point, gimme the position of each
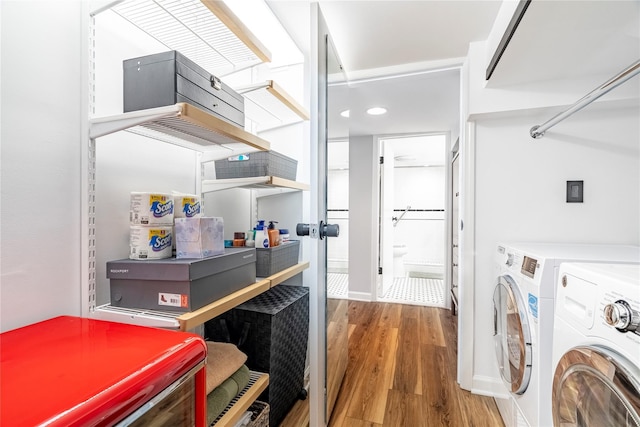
(399, 251)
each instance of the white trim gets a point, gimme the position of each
(488, 386)
(360, 296)
(466, 298)
(403, 70)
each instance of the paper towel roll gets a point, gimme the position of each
(151, 209)
(186, 206)
(150, 242)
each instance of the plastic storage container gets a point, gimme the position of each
(261, 163)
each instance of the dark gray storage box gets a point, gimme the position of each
(180, 285)
(272, 329)
(261, 163)
(170, 77)
(275, 259)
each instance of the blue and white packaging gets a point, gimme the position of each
(199, 237)
(150, 242)
(186, 206)
(151, 209)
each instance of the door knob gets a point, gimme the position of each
(329, 230)
(302, 229)
(322, 231)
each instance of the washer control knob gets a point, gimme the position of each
(509, 261)
(621, 316)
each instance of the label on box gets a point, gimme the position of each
(173, 300)
(239, 158)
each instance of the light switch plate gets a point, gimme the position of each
(575, 191)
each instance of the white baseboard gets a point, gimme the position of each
(488, 386)
(360, 296)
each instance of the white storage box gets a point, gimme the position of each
(199, 237)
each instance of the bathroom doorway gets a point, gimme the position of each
(412, 219)
(338, 213)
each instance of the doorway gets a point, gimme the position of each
(338, 213)
(412, 222)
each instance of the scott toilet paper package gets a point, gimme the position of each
(151, 209)
(186, 206)
(150, 242)
(199, 237)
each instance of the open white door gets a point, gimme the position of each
(322, 62)
(386, 218)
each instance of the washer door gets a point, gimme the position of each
(512, 335)
(594, 387)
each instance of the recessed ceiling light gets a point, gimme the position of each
(345, 113)
(376, 111)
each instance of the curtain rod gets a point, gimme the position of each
(539, 130)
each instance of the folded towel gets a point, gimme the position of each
(223, 359)
(222, 395)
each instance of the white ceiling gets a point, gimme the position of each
(556, 39)
(377, 39)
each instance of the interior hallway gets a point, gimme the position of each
(402, 373)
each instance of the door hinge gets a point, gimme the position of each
(379, 270)
(381, 160)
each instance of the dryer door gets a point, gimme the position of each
(593, 386)
(512, 335)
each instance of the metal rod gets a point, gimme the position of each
(539, 130)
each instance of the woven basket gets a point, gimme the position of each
(260, 416)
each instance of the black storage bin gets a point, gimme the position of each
(272, 329)
(170, 77)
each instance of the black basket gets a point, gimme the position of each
(272, 329)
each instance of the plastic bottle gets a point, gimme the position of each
(250, 242)
(261, 235)
(274, 234)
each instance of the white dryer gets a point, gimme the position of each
(523, 302)
(596, 346)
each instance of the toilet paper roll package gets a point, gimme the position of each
(150, 242)
(199, 237)
(186, 206)
(151, 209)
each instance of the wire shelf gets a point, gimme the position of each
(205, 31)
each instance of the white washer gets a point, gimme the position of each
(523, 302)
(596, 346)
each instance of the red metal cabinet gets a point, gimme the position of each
(71, 371)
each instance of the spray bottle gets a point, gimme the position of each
(261, 235)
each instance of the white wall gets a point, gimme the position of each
(421, 232)
(520, 182)
(363, 206)
(41, 142)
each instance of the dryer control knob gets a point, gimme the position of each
(621, 316)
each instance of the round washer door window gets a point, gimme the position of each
(593, 387)
(512, 336)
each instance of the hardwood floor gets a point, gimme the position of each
(402, 373)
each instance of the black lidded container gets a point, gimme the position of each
(180, 285)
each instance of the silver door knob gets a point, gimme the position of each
(329, 230)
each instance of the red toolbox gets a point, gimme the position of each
(71, 371)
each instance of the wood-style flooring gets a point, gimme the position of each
(402, 373)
